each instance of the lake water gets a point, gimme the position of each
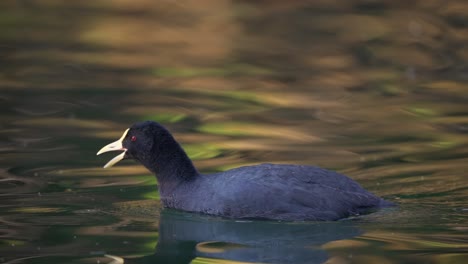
(374, 90)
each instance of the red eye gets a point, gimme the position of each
(133, 139)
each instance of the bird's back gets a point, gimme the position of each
(275, 191)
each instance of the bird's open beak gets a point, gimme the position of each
(114, 146)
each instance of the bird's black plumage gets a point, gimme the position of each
(266, 191)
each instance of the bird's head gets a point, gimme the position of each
(142, 142)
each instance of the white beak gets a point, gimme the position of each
(114, 146)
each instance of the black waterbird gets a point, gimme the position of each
(266, 191)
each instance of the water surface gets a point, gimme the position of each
(374, 90)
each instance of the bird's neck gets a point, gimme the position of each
(171, 165)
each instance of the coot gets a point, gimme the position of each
(266, 191)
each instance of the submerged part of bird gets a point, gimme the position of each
(267, 191)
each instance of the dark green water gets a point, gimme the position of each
(375, 90)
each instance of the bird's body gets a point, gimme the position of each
(272, 191)
(266, 191)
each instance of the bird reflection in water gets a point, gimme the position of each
(185, 236)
